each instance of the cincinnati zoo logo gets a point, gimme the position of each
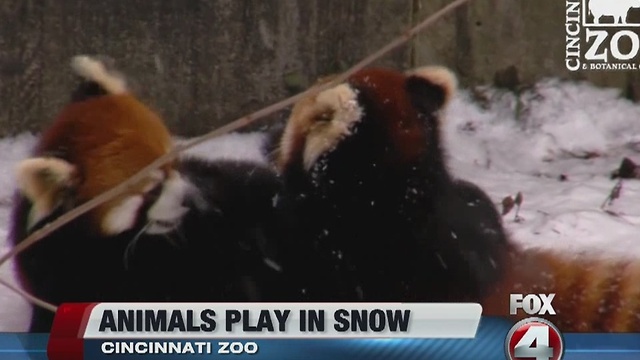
(602, 35)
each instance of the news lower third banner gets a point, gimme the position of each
(212, 330)
(292, 331)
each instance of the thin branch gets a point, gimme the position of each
(32, 299)
(613, 194)
(232, 126)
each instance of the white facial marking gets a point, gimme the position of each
(324, 137)
(40, 180)
(122, 217)
(155, 178)
(167, 212)
(31, 181)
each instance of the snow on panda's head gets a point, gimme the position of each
(393, 102)
(318, 123)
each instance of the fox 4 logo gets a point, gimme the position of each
(532, 304)
(533, 337)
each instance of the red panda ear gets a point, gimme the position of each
(96, 70)
(42, 181)
(431, 87)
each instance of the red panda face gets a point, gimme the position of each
(390, 108)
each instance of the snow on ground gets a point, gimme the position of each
(14, 311)
(504, 143)
(556, 128)
(232, 147)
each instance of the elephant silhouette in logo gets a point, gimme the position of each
(618, 9)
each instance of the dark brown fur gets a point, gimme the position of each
(382, 205)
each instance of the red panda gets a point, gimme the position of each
(593, 293)
(114, 135)
(100, 138)
(364, 166)
(195, 230)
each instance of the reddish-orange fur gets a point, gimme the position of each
(395, 107)
(108, 139)
(593, 294)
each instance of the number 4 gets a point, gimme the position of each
(541, 351)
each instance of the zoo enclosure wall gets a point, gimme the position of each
(202, 63)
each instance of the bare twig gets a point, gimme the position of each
(613, 195)
(518, 203)
(32, 299)
(232, 126)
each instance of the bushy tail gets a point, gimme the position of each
(594, 293)
(98, 79)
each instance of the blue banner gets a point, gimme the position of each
(23, 346)
(488, 344)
